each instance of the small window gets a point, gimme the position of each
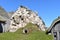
(55, 35)
(20, 16)
(17, 23)
(12, 17)
(22, 19)
(28, 13)
(13, 24)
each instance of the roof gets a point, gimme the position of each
(53, 23)
(2, 18)
(3, 13)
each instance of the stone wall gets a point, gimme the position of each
(23, 16)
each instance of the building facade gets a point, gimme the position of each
(55, 29)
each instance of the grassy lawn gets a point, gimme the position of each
(34, 34)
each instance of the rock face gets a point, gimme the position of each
(23, 16)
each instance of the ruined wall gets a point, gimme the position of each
(23, 16)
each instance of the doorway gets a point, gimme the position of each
(55, 35)
(1, 29)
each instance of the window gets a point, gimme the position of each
(20, 16)
(22, 19)
(12, 17)
(29, 13)
(55, 35)
(13, 24)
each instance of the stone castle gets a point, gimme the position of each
(23, 16)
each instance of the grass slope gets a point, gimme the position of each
(33, 35)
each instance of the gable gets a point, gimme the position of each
(56, 21)
(56, 26)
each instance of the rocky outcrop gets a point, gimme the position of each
(23, 16)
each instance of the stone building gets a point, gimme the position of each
(4, 20)
(23, 16)
(54, 29)
(4, 24)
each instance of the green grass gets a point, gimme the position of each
(34, 34)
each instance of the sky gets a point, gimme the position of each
(48, 10)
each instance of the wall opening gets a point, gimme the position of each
(1, 29)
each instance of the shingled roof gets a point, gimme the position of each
(53, 23)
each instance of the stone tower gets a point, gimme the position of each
(23, 16)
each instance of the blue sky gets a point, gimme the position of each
(48, 10)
